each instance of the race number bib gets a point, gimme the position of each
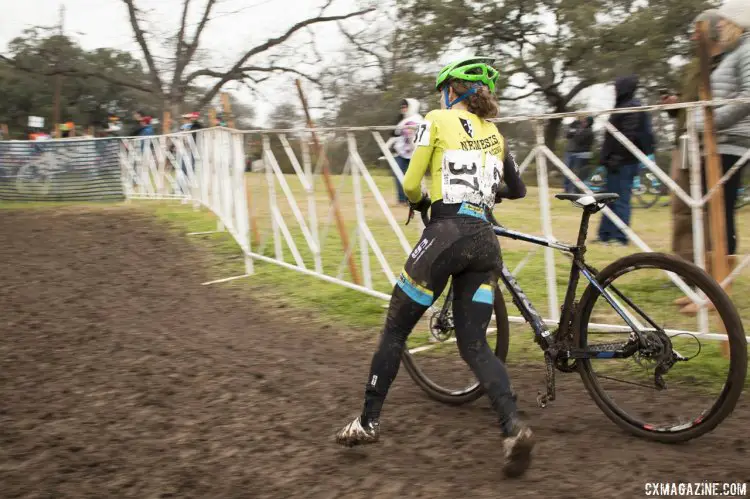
(471, 176)
(422, 135)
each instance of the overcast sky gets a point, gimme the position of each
(237, 25)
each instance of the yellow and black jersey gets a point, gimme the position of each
(467, 158)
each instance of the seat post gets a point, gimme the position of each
(584, 228)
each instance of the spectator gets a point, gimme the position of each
(138, 118)
(146, 128)
(404, 143)
(731, 79)
(682, 218)
(191, 123)
(578, 152)
(622, 166)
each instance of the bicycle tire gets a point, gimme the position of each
(724, 307)
(647, 198)
(435, 391)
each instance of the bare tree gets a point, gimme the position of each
(172, 88)
(377, 49)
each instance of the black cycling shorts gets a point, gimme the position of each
(452, 243)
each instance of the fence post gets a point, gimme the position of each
(364, 251)
(240, 200)
(549, 254)
(699, 244)
(718, 230)
(312, 207)
(272, 198)
(331, 190)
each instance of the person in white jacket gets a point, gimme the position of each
(403, 142)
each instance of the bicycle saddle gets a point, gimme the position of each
(590, 201)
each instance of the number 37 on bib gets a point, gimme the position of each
(471, 176)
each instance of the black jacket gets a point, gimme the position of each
(580, 139)
(635, 126)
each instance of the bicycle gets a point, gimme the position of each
(647, 188)
(567, 349)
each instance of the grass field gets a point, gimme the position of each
(351, 309)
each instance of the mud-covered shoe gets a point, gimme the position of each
(518, 451)
(355, 433)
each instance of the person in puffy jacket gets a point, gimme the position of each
(622, 166)
(731, 79)
(682, 213)
(403, 144)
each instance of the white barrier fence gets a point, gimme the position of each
(211, 172)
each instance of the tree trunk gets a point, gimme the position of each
(552, 131)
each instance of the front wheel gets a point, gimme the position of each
(674, 383)
(429, 353)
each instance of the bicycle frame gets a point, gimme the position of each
(542, 334)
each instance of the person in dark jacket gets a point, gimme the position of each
(622, 166)
(578, 152)
(146, 128)
(138, 128)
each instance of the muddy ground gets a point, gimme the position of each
(122, 376)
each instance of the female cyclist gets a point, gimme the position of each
(468, 160)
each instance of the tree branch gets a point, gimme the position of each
(352, 39)
(520, 97)
(272, 42)
(241, 73)
(181, 33)
(580, 86)
(141, 39)
(78, 73)
(323, 8)
(193, 45)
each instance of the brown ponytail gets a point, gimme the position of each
(483, 103)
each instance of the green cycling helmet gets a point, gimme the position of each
(475, 69)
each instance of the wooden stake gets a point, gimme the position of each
(166, 123)
(211, 117)
(56, 108)
(331, 190)
(228, 117)
(6, 133)
(717, 224)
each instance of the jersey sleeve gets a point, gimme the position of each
(513, 187)
(424, 141)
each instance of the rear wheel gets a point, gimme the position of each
(674, 387)
(431, 350)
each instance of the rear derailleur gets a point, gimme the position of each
(656, 349)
